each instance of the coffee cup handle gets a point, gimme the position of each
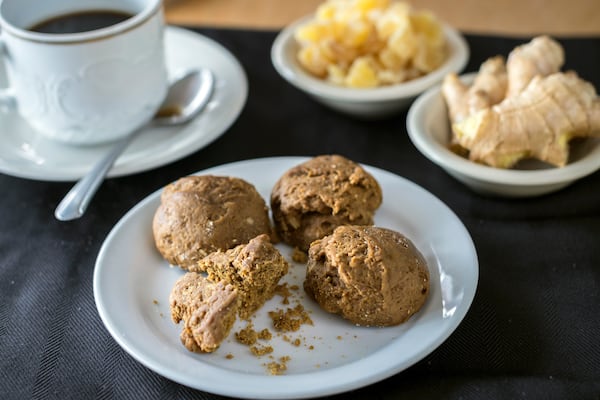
(7, 96)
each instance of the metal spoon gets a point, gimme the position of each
(186, 97)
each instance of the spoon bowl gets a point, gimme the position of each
(187, 96)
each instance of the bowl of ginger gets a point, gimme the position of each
(518, 127)
(367, 58)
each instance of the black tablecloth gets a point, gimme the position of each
(532, 331)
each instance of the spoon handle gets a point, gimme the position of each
(76, 201)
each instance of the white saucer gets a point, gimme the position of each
(25, 153)
(132, 283)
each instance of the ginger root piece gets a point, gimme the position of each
(524, 109)
(488, 88)
(496, 80)
(542, 56)
(537, 123)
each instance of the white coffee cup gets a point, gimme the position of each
(89, 87)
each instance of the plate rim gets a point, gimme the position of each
(285, 380)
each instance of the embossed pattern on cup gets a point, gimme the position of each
(95, 88)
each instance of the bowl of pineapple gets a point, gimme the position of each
(367, 58)
(518, 127)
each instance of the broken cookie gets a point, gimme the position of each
(254, 269)
(208, 311)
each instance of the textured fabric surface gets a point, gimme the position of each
(531, 333)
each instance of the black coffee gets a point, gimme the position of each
(80, 21)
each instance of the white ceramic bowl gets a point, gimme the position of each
(363, 103)
(429, 129)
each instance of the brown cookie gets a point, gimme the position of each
(254, 269)
(311, 199)
(202, 214)
(370, 276)
(208, 311)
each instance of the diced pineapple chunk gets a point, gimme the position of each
(362, 74)
(367, 43)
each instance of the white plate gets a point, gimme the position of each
(25, 153)
(132, 284)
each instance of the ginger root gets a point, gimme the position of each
(539, 123)
(524, 109)
(542, 56)
(488, 88)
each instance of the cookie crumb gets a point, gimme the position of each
(229, 356)
(283, 291)
(299, 256)
(275, 368)
(265, 334)
(261, 350)
(278, 368)
(247, 336)
(291, 319)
